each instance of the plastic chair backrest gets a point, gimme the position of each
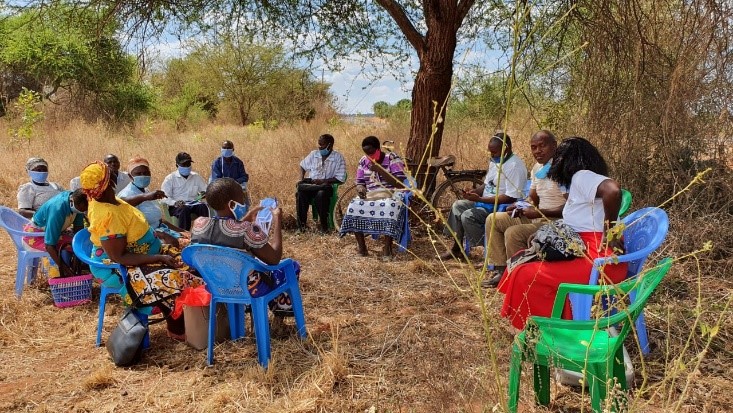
(645, 231)
(626, 199)
(13, 223)
(225, 270)
(82, 246)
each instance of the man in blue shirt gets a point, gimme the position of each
(54, 217)
(229, 166)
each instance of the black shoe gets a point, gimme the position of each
(493, 282)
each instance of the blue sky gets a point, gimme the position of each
(356, 88)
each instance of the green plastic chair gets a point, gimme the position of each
(331, 206)
(626, 199)
(586, 347)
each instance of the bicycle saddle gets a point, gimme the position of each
(439, 161)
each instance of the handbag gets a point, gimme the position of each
(125, 344)
(555, 241)
(558, 242)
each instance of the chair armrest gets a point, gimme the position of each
(567, 288)
(613, 259)
(546, 322)
(26, 234)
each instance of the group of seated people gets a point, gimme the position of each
(126, 224)
(569, 181)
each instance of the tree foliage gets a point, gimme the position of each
(255, 82)
(62, 54)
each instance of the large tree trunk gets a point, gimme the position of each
(430, 93)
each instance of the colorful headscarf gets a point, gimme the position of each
(34, 162)
(94, 179)
(135, 162)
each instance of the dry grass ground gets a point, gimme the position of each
(402, 336)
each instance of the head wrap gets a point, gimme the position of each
(95, 179)
(34, 162)
(135, 162)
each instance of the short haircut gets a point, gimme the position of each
(372, 141)
(227, 143)
(79, 197)
(328, 138)
(547, 134)
(221, 191)
(572, 155)
(502, 137)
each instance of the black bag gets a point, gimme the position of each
(556, 241)
(125, 344)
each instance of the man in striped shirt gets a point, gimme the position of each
(324, 167)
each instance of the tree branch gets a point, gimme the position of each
(463, 7)
(398, 14)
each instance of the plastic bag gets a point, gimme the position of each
(195, 297)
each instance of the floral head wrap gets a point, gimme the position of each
(135, 162)
(95, 179)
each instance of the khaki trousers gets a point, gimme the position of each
(506, 235)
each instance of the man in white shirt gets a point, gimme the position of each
(508, 232)
(324, 167)
(183, 189)
(504, 182)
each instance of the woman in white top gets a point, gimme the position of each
(593, 203)
(33, 194)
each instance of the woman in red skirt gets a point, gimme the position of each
(593, 203)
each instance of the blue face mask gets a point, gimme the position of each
(496, 160)
(324, 152)
(142, 181)
(227, 153)
(542, 173)
(238, 210)
(40, 177)
(184, 170)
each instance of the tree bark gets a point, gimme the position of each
(433, 82)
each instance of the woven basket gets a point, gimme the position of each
(71, 291)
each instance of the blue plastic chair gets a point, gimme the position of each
(83, 246)
(13, 223)
(226, 271)
(645, 231)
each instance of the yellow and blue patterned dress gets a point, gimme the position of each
(147, 285)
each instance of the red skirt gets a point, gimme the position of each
(531, 288)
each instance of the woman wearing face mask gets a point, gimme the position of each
(33, 194)
(121, 233)
(382, 213)
(137, 195)
(234, 226)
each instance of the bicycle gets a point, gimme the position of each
(441, 195)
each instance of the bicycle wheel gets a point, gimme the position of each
(343, 201)
(452, 190)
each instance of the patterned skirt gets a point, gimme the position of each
(375, 217)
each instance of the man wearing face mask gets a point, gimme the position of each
(54, 218)
(183, 189)
(508, 232)
(229, 166)
(505, 180)
(33, 194)
(324, 167)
